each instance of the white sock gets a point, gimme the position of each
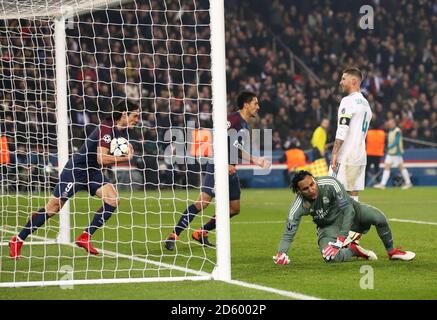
(385, 176)
(406, 176)
(355, 198)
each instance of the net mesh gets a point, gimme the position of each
(156, 53)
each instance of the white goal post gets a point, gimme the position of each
(57, 86)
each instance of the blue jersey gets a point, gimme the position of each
(102, 136)
(82, 171)
(238, 137)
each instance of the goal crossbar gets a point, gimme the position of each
(17, 9)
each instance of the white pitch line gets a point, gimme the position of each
(414, 221)
(32, 243)
(393, 219)
(290, 294)
(111, 253)
(258, 222)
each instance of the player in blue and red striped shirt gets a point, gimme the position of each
(83, 171)
(238, 132)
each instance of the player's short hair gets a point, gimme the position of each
(244, 97)
(354, 71)
(123, 105)
(298, 177)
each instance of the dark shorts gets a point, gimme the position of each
(208, 184)
(78, 179)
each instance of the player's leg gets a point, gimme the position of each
(64, 190)
(37, 219)
(329, 234)
(234, 209)
(386, 173)
(405, 175)
(201, 235)
(110, 199)
(353, 179)
(201, 203)
(373, 216)
(99, 186)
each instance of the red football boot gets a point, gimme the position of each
(84, 241)
(15, 248)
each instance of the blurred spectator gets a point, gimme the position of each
(136, 53)
(294, 157)
(320, 137)
(394, 157)
(375, 144)
(277, 142)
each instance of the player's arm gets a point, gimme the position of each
(345, 204)
(344, 118)
(259, 161)
(293, 220)
(337, 145)
(104, 158)
(245, 155)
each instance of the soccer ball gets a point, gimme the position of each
(119, 147)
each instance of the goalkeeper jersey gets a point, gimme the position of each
(354, 115)
(332, 202)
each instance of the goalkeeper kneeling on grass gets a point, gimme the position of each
(340, 221)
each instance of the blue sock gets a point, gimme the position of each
(210, 225)
(102, 215)
(36, 221)
(186, 218)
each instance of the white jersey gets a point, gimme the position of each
(354, 115)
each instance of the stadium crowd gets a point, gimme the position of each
(398, 58)
(163, 58)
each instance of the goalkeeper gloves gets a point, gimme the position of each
(281, 258)
(331, 250)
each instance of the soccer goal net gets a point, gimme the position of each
(65, 64)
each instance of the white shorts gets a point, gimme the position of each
(352, 177)
(393, 161)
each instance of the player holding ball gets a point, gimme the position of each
(84, 171)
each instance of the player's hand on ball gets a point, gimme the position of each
(281, 258)
(331, 250)
(130, 153)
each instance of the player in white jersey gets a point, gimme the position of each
(349, 159)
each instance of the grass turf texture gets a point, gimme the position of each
(255, 235)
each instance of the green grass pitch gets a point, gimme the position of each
(255, 235)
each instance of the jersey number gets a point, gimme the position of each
(365, 125)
